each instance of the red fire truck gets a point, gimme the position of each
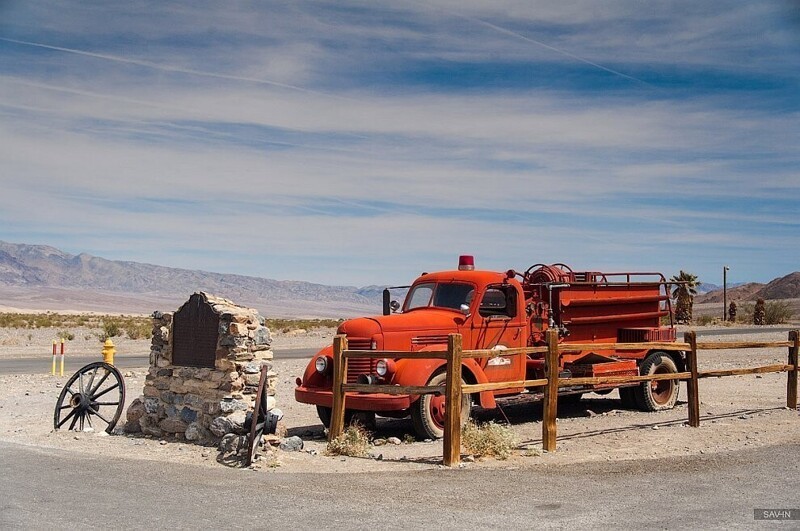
(503, 310)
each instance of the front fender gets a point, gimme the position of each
(311, 378)
(419, 371)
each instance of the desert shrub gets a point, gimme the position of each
(777, 312)
(66, 335)
(354, 442)
(286, 325)
(704, 320)
(488, 439)
(110, 329)
(139, 330)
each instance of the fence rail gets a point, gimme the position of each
(454, 388)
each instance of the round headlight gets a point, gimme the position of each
(382, 367)
(321, 364)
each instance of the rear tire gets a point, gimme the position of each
(428, 413)
(657, 395)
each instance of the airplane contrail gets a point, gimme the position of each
(170, 68)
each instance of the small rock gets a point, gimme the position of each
(379, 442)
(128, 374)
(589, 413)
(393, 440)
(655, 427)
(759, 376)
(469, 459)
(291, 444)
(162, 442)
(77, 438)
(102, 433)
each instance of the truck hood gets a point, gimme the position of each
(422, 320)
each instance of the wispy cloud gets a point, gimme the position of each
(296, 136)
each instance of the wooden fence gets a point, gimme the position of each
(454, 388)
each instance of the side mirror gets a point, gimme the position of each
(464, 309)
(386, 304)
(394, 306)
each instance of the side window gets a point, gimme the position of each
(499, 301)
(420, 296)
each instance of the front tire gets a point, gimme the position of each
(428, 413)
(662, 394)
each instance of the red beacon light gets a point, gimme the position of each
(466, 262)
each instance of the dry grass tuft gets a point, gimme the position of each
(354, 442)
(490, 439)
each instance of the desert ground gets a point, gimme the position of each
(738, 412)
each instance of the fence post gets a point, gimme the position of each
(452, 419)
(339, 376)
(691, 385)
(791, 378)
(550, 411)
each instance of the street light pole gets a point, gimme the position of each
(725, 293)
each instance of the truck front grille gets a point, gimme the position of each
(356, 366)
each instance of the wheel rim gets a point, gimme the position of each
(661, 390)
(437, 408)
(92, 398)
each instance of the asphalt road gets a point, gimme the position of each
(46, 488)
(737, 331)
(42, 364)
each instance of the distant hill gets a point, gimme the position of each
(787, 287)
(43, 277)
(743, 292)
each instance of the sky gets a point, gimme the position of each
(363, 142)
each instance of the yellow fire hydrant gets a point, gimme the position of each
(108, 352)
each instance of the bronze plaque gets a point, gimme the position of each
(195, 330)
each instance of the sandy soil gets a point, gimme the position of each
(738, 412)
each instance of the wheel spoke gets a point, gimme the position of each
(103, 379)
(80, 383)
(89, 420)
(104, 391)
(81, 415)
(107, 403)
(89, 386)
(65, 407)
(71, 413)
(97, 412)
(74, 420)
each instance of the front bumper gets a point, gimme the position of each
(359, 401)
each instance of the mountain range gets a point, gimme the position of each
(786, 287)
(40, 277)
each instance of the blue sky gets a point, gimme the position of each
(364, 142)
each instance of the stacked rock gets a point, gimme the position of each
(203, 389)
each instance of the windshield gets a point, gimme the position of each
(451, 295)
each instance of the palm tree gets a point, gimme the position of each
(684, 291)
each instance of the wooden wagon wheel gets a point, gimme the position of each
(95, 391)
(258, 419)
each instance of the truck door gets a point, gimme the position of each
(498, 325)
